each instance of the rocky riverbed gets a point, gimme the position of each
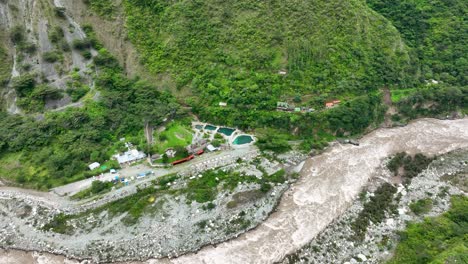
(337, 243)
(328, 186)
(172, 225)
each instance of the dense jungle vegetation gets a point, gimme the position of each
(437, 33)
(234, 51)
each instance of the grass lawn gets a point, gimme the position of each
(175, 135)
(398, 95)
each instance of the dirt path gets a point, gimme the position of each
(329, 183)
(149, 134)
(387, 99)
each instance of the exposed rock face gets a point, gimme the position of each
(112, 32)
(37, 20)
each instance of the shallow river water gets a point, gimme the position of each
(328, 184)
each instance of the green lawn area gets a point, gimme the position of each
(175, 135)
(397, 95)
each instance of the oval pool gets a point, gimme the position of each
(242, 139)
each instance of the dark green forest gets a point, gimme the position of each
(439, 239)
(436, 31)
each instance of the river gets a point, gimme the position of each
(328, 184)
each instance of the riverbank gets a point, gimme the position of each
(338, 242)
(329, 183)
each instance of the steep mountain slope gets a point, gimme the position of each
(56, 62)
(232, 51)
(50, 55)
(438, 33)
(109, 26)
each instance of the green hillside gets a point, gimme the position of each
(437, 32)
(250, 54)
(232, 50)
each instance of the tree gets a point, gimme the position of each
(24, 84)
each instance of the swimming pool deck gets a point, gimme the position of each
(230, 139)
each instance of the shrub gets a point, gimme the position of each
(26, 67)
(56, 35)
(51, 56)
(44, 92)
(374, 210)
(24, 84)
(277, 177)
(86, 54)
(17, 34)
(273, 141)
(421, 206)
(104, 58)
(439, 239)
(81, 44)
(216, 143)
(77, 93)
(162, 137)
(297, 99)
(265, 187)
(27, 47)
(410, 166)
(64, 46)
(99, 186)
(60, 12)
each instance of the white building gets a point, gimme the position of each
(94, 165)
(130, 156)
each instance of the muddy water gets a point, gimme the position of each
(328, 185)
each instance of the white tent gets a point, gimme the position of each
(211, 148)
(94, 165)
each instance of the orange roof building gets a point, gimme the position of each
(329, 104)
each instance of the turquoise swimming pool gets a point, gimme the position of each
(210, 127)
(226, 131)
(243, 139)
